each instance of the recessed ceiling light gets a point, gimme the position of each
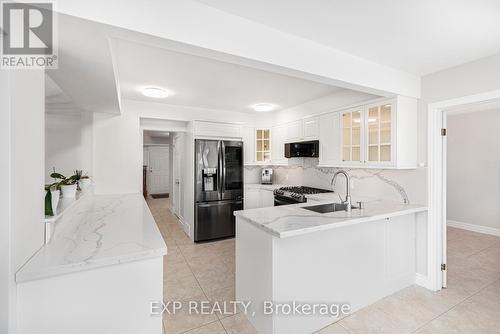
(263, 107)
(156, 92)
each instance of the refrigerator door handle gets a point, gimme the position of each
(223, 167)
(219, 170)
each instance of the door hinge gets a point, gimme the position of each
(443, 266)
(443, 132)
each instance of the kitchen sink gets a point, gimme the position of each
(329, 207)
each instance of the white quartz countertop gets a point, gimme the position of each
(259, 186)
(292, 220)
(100, 231)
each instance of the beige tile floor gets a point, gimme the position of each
(470, 304)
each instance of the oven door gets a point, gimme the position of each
(281, 200)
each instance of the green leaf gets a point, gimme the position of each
(57, 176)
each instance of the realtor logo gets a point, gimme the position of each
(28, 35)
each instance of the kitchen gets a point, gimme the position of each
(299, 174)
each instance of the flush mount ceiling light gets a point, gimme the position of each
(155, 92)
(263, 107)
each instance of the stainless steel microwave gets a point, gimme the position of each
(304, 149)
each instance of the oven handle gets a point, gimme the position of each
(278, 201)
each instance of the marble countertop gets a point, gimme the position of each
(292, 220)
(269, 187)
(101, 230)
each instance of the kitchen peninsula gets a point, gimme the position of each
(288, 253)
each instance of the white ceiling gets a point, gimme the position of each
(85, 69)
(417, 36)
(206, 83)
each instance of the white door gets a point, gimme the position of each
(159, 169)
(176, 166)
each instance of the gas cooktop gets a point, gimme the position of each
(297, 193)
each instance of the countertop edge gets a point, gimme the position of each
(332, 225)
(23, 277)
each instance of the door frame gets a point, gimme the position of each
(436, 183)
(176, 194)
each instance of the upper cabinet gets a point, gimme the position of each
(302, 130)
(248, 137)
(351, 136)
(217, 130)
(278, 145)
(310, 128)
(381, 134)
(293, 131)
(262, 145)
(329, 139)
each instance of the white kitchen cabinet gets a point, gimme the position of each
(216, 129)
(310, 128)
(329, 139)
(251, 198)
(302, 130)
(258, 198)
(247, 135)
(380, 135)
(266, 198)
(293, 131)
(278, 145)
(262, 145)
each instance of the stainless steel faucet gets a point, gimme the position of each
(347, 201)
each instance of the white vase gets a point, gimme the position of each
(84, 183)
(54, 195)
(68, 191)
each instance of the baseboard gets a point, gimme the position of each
(185, 226)
(422, 280)
(474, 227)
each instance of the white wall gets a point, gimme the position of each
(68, 143)
(7, 269)
(21, 201)
(473, 158)
(471, 78)
(27, 126)
(479, 76)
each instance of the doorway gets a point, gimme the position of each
(158, 162)
(437, 182)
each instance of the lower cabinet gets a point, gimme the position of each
(266, 198)
(258, 198)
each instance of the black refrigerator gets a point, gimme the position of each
(218, 188)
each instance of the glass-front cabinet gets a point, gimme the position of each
(379, 122)
(262, 145)
(367, 135)
(352, 136)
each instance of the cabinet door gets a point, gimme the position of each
(379, 138)
(278, 144)
(310, 128)
(352, 136)
(293, 131)
(266, 198)
(247, 134)
(262, 145)
(329, 139)
(251, 199)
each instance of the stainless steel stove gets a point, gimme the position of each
(295, 194)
